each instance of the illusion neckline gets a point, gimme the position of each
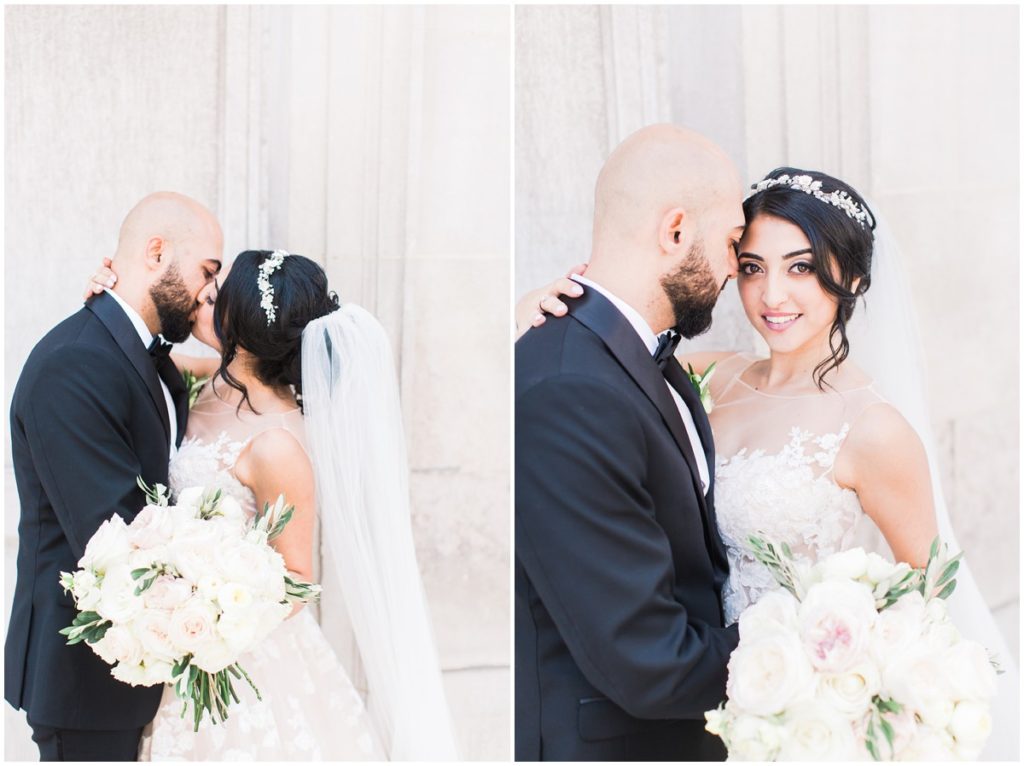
(215, 398)
(801, 396)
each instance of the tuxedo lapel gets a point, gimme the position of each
(121, 329)
(598, 314)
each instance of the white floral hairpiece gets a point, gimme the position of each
(268, 267)
(808, 185)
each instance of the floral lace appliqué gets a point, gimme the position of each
(787, 496)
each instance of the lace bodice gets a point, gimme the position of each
(214, 440)
(774, 475)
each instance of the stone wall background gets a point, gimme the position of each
(916, 106)
(374, 140)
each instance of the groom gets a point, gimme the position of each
(620, 644)
(98, 404)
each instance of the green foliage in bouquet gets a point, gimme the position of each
(194, 385)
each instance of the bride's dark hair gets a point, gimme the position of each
(300, 296)
(838, 243)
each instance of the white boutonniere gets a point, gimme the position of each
(701, 382)
(194, 385)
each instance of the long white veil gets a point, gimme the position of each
(885, 343)
(354, 430)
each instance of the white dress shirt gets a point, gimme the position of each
(651, 341)
(147, 338)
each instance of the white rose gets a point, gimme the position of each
(850, 564)
(917, 678)
(167, 592)
(815, 732)
(157, 672)
(768, 674)
(238, 630)
(153, 526)
(928, 744)
(753, 739)
(133, 674)
(190, 499)
(971, 725)
(232, 511)
(850, 692)
(118, 645)
(107, 546)
(775, 611)
(118, 602)
(214, 656)
(193, 625)
(234, 597)
(879, 568)
(970, 674)
(194, 551)
(153, 628)
(209, 586)
(836, 618)
(85, 588)
(897, 628)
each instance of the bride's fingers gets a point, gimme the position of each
(566, 286)
(579, 268)
(550, 304)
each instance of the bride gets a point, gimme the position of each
(812, 447)
(303, 402)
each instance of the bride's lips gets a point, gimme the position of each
(779, 322)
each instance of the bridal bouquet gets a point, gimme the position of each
(178, 595)
(855, 658)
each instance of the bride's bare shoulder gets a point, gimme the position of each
(701, 360)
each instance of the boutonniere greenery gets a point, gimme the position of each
(194, 385)
(701, 382)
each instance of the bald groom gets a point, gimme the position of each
(620, 637)
(93, 409)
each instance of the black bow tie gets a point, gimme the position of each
(667, 343)
(159, 349)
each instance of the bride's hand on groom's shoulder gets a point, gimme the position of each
(532, 307)
(102, 279)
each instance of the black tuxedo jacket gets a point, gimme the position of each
(88, 417)
(620, 645)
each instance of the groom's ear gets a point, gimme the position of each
(155, 253)
(672, 233)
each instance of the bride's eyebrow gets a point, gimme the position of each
(794, 254)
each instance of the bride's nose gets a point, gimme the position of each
(775, 293)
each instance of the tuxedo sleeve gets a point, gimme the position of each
(76, 426)
(587, 538)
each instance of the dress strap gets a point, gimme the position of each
(736, 375)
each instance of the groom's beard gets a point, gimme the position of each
(174, 305)
(693, 292)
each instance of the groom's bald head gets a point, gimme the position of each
(668, 211)
(168, 250)
(658, 168)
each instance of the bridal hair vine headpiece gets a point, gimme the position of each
(268, 267)
(808, 185)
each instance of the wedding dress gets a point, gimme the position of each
(310, 709)
(775, 460)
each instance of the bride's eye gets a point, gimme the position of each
(802, 267)
(747, 268)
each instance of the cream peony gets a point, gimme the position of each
(753, 739)
(970, 674)
(970, 725)
(774, 612)
(768, 673)
(118, 602)
(107, 546)
(214, 656)
(917, 678)
(167, 592)
(897, 628)
(836, 618)
(815, 732)
(119, 645)
(153, 526)
(133, 674)
(193, 625)
(928, 744)
(851, 691)
(234, 597)
(850, 564)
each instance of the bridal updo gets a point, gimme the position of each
(841, 246)
(300, 295)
